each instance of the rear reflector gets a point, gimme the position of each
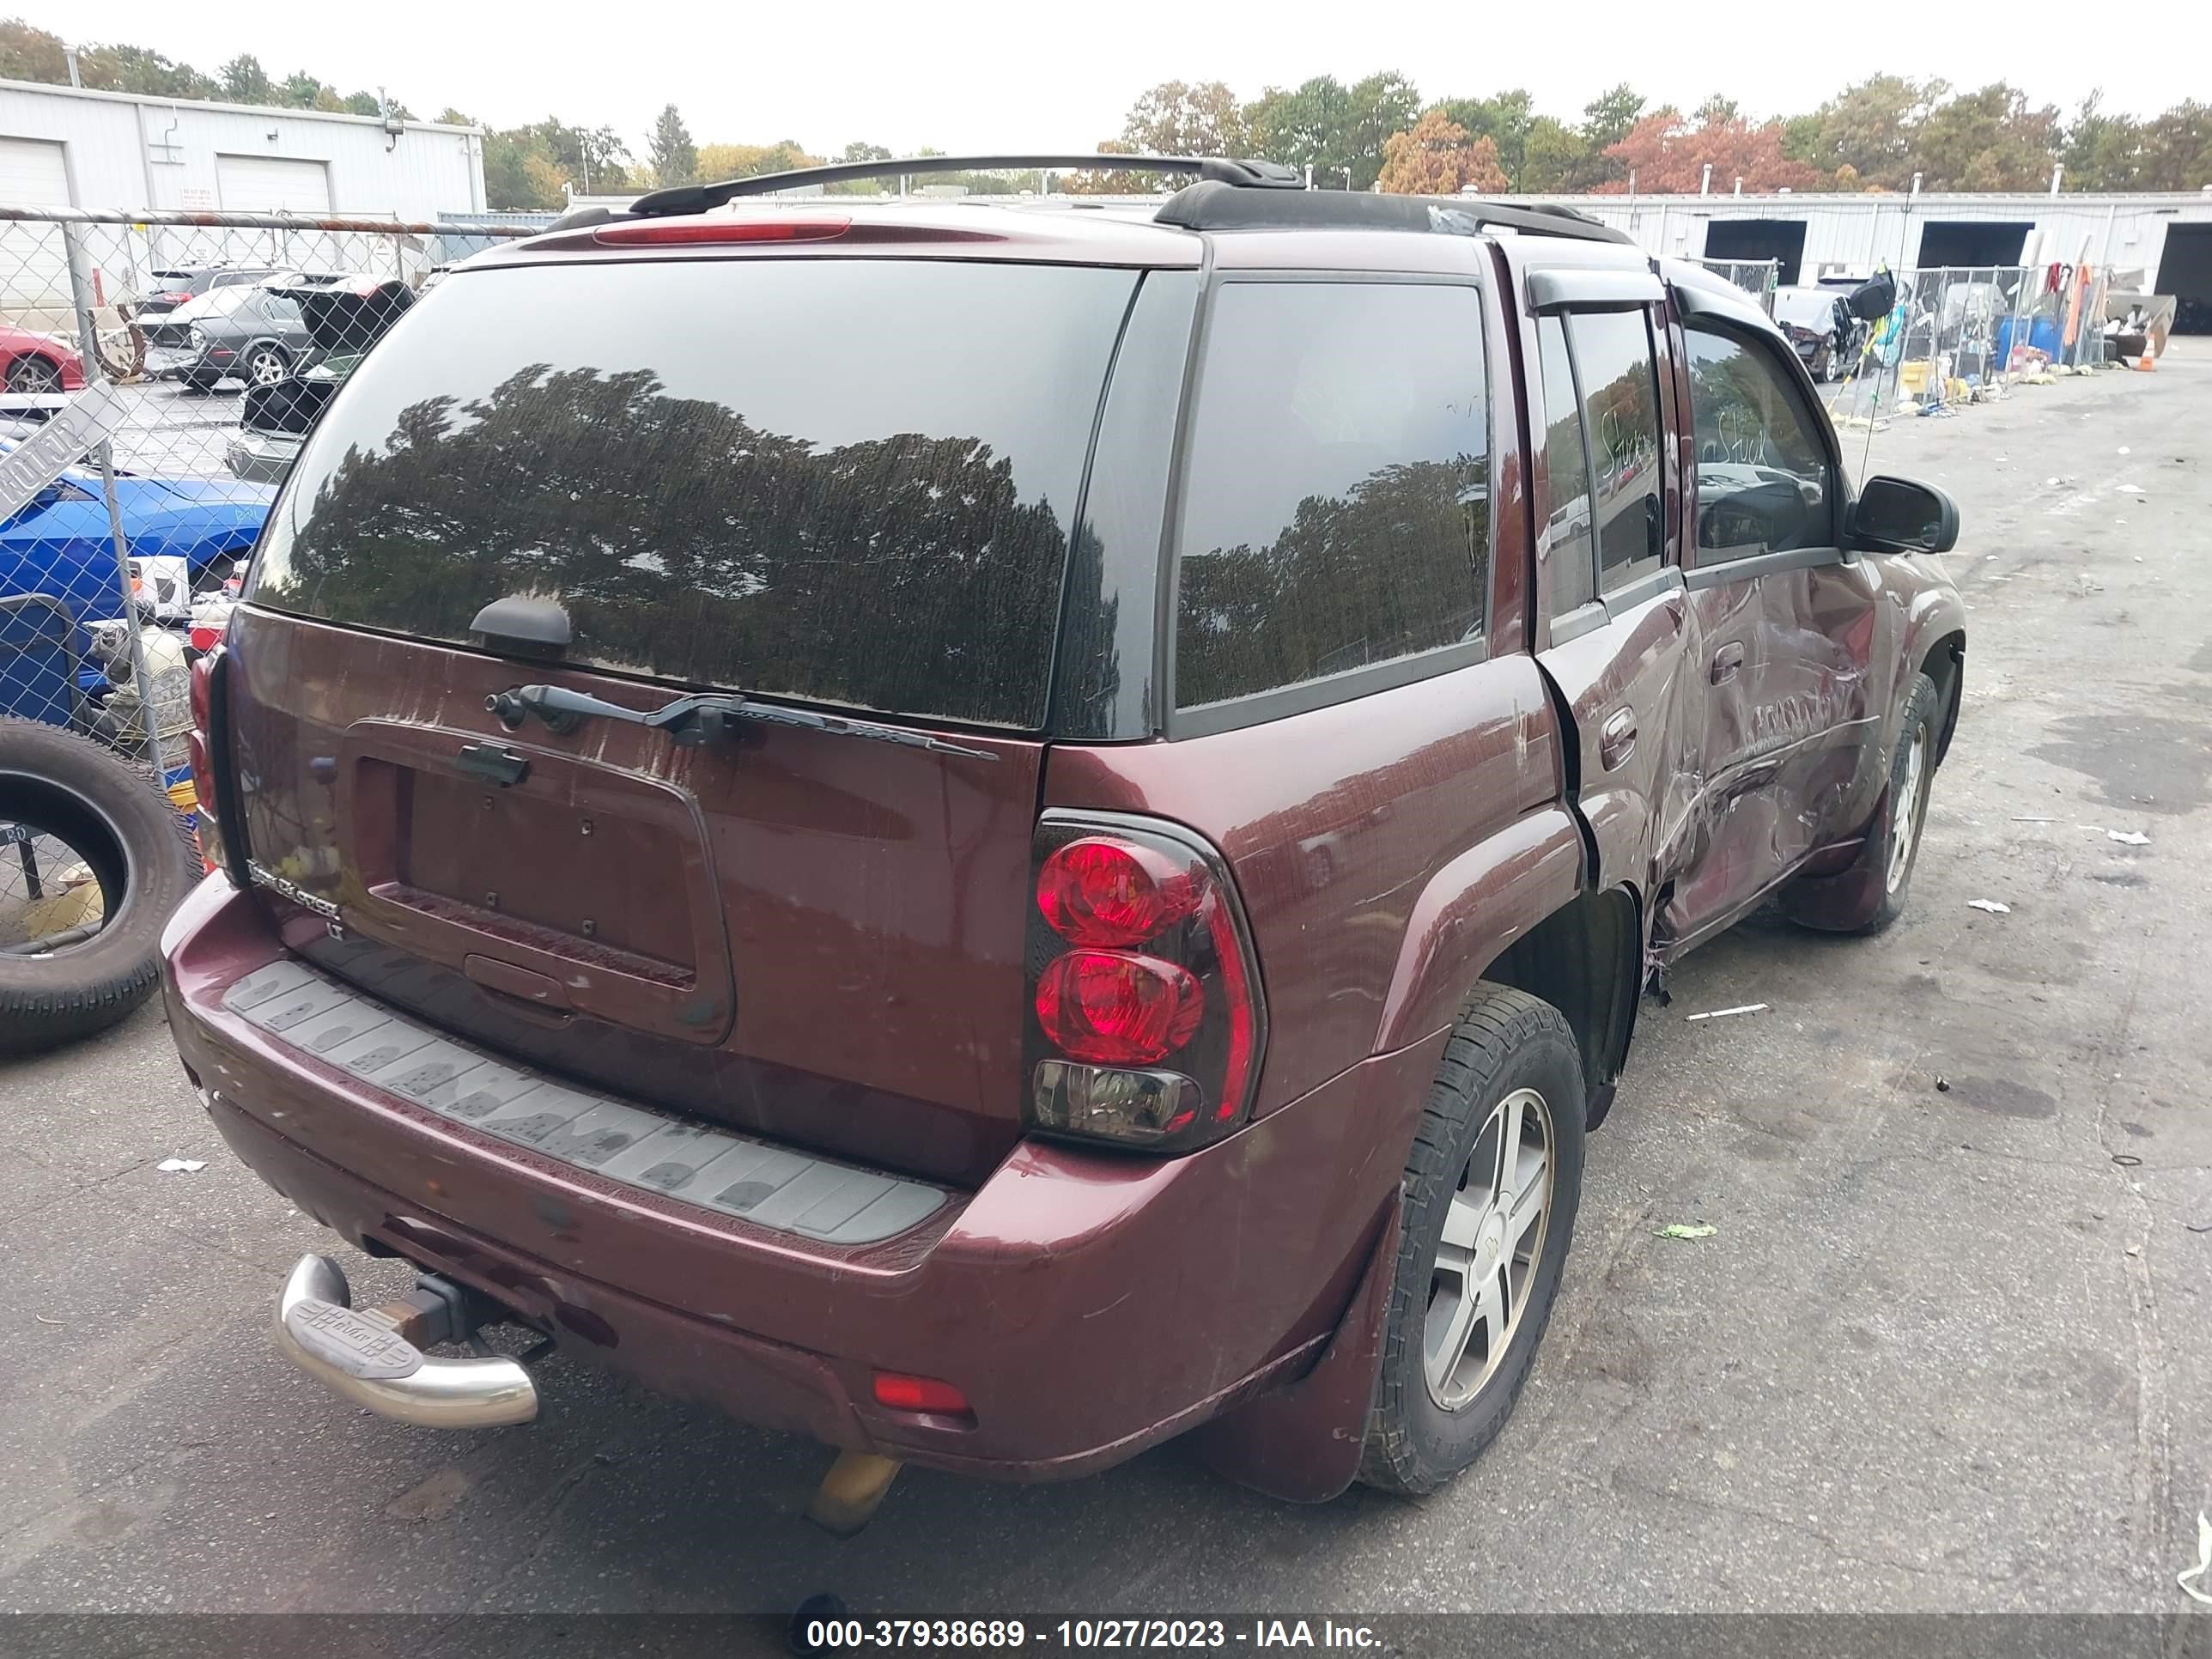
(902, 1392)
(693, 232)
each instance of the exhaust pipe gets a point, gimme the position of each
(372, 1359)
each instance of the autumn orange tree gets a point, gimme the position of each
(1667, 153)
(1437, 158)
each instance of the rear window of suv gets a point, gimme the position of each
(846, 481)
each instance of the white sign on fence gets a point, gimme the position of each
(92, 415)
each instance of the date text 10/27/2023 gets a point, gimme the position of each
(829, 1635)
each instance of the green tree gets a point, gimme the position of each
(301, 90)
(1872, 128)
(1176, 117)
(1607, 119)
(245, 82)
(135, 69)
(669, 149)
(1506, 120)
(32, 54)
(1991, 139)
(2102, 152)
(2177, 148)
(1302, 126)
(1379, 105)
(1557, 158)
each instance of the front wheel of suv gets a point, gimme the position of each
(1491, 1190)
(1884, 869)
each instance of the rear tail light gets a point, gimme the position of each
(208, 745)
(1146, 1019)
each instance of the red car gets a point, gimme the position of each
(994, 835)
(31, 362)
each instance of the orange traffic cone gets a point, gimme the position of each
(2149, 361)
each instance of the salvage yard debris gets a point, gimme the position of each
(1725, 1013)
(2128, 837)
(1687, 1230)
(181, 1165)
(1989, 905)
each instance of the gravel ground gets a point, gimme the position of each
(1949, 1349)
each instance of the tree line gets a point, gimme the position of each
(1878, 134)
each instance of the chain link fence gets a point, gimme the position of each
(1757, 277)
(157, 374)
(1962, 335)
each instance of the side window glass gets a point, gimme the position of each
(1567, 531)
(1764, 484)
(1336, 507)
(1621, 406)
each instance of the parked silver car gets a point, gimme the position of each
(243, 331)
(344, 319)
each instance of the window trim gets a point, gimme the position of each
(1202, 719)
(1810, 417)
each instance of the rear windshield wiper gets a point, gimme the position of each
(701, 717)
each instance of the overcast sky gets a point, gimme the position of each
(994, 76)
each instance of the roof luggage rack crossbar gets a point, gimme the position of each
(1209, 206)
(697, 198)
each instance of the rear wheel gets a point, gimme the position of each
(92, 862)
(1491, 1190)
(28, 375)
(265, 365)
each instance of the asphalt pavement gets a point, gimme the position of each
(1949, 1348)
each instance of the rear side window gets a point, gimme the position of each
(1566, 464)
(847, 481)
(1620, 403)
(1336, 505)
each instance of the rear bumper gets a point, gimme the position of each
(1087, 1306)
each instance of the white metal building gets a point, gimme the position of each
(2167, 238)
(69, 147)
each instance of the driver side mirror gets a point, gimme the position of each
(1899, 515)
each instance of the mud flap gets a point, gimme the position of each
(1301, 1442)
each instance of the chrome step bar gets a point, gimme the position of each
(368, 1358)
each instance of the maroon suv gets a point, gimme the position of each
(994, 835)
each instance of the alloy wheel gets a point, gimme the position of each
(1493, 1237)
(1906, 834)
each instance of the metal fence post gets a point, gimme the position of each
(80, 294)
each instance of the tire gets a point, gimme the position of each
(69, 791)
(264, 365)
(1886, 861)
(29, 375)
(1423, 1429)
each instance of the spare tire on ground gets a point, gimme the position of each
(93, 859)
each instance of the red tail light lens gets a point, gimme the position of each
(1100, 892)
(902, 1392)
(1118, 1008)
(206, 746)
(1148, 1025)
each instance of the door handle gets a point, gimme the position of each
(1726, 661)
(1616, 741)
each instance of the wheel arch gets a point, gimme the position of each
(1945, 663)
(1584, 958)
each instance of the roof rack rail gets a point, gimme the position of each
(697, 198)
(1208, 205)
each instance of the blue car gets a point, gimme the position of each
(58, 550)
